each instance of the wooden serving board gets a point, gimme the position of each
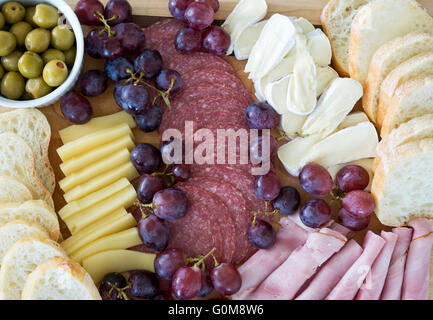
(105, 104)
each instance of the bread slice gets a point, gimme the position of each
(418, 66)
(60, 279)
(378, 22)
(403, 184)
(33, 127)
(411, 100)
(34, 211)
(20, 260)
(337, 17)
(16, 230)
(12, 190)
(17, 160)
(388, 57)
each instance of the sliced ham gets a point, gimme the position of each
(342, 229)
(329, 275)
(348, 286)
(301, 265)
(417, 272)
(264, 262)
(394, 278)
(372, 289)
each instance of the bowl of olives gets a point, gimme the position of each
(41, 52)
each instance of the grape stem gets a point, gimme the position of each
(120, 291)
(164, 174)
(199, 261)
(107, 27)
(149, 206)
(265, 212)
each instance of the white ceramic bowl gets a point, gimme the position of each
(56, 94)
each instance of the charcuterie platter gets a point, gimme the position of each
(99, 163)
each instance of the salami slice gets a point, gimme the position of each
(196, 61)
(221, 212)
(160, 36)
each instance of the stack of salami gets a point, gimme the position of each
(221, 196)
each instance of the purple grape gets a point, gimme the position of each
(109, 285)
(144, 284)
(188, 40)
(111, 48)
(214, 4)
(316, 180)
(154, 232)
(288, 201)
(351, 222)
(119, 69)
(166, 77)
(177, 8)
(86, 11)
(146, 158)
(130, 35)
(181, 172)
(267, 187)
(93, 42)
(260, 115)
(147, 186)
(262, 235)
(315, 213)
(359, 203)
(168, 262)
(199, 15)
(352, 177)
(76, 108)
(226, 279)
(120, 9)
(150, 121)
(93, 83)
(206, 285)
(133, 98)
(186, 283)
(149, 62)
(256, 149)
(170, 204)
(216, 40)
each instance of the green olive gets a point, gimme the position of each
(46, 16)
(2, 21)
(37, 87)
(30, 65)
(70, 56)
(30, 12)
(2, 72)
(38, 40)
(20, 31)
(8, 43)
(12, 85)
(62, 38)
(53, 54)
(13, 12)
(10, 62)
(55, 73)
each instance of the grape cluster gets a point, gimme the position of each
(198, 34)
(351, 182)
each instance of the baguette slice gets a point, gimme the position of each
(337, 17)
(12, 190)
(20, 260)
(17, 160)
(33, 127)
(378, 22)
(403, 184)
(35, 211)
(411, 100)
(418, 66)
(16, 230)
(60, 279)
(387, 58)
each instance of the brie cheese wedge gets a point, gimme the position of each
(304, 24)
(325, 75)
(352, 120)
(246, 40)
(276, 94)
(292, 124)
(320, 47)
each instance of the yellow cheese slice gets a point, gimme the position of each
(77, 163)
(121, 240)
(93, 140)
(94, 170)
(77, 206)
(75, 132)
(123, 199)
(117, 221)
(106, 262)
(125, 170)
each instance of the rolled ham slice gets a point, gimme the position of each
(342, 229)
(394, 278)
(372, 289)
(417, 272)
(348, 286)
(301, 265)
(329, 275)
(264, 262)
